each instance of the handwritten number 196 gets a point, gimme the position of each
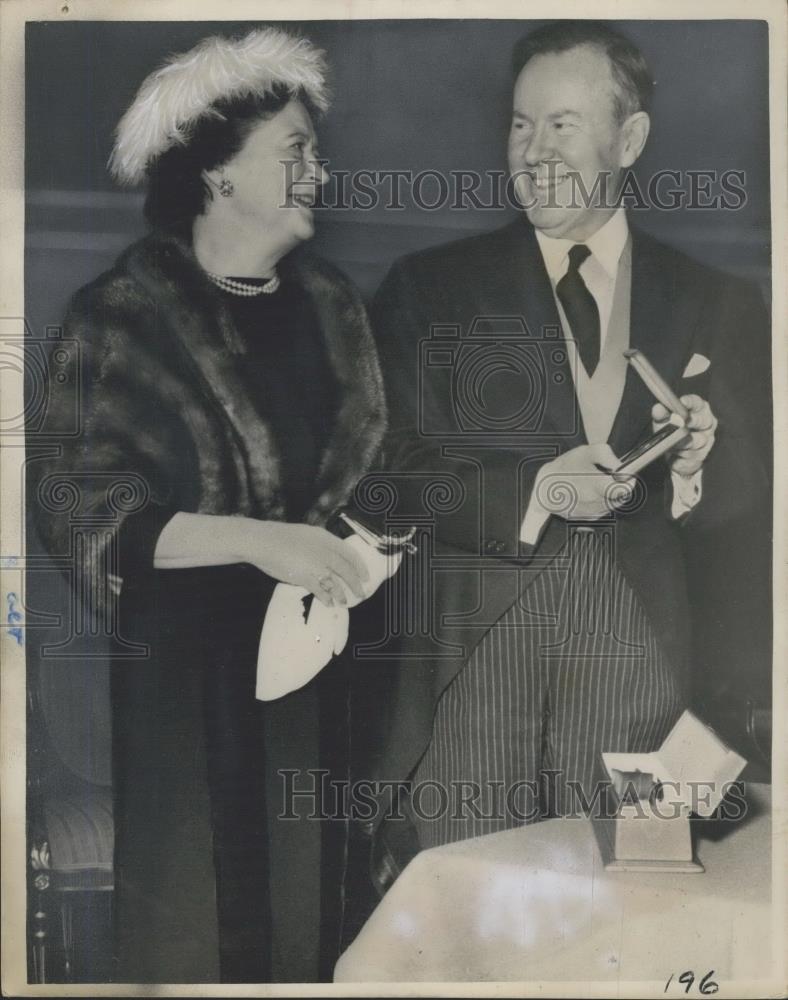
(705, 987)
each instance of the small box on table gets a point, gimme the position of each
(653, 795)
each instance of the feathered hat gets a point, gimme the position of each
(185, 88)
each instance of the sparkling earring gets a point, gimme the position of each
(226, 188)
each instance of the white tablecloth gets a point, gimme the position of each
(536, 903)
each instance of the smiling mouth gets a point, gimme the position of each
(303, 200)
(546, 182)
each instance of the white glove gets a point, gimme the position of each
(296, 644)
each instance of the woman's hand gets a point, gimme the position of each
(300, 554)
(307, 557)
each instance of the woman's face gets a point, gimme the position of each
(276, 178)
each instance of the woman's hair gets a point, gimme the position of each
(176, 190)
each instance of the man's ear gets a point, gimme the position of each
(634, 133)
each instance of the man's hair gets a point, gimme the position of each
(631, 75)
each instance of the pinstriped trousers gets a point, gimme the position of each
(572, 670)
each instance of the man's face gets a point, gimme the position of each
(563, 122)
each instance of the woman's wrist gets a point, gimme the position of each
(245, 536)
(190, 540)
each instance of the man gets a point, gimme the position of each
(563, 632)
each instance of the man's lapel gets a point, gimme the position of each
(660, 327)
(517, 285)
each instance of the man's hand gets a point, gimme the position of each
(688, 457)
(576, 485)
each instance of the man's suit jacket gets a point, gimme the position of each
(679, 308)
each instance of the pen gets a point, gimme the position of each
(383, 543)
(658, 386)
(620, 477)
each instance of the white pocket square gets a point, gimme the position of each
(697, 365)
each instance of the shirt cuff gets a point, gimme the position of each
(687, 491)
(137, 538)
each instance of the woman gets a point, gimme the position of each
(231, 400)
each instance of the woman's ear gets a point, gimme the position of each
(208, 177)
(634, 133)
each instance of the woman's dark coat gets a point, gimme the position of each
(166, 424)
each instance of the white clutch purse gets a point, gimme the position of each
(300, 634)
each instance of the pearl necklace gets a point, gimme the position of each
(242, 287)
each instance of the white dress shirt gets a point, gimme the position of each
(599, 272)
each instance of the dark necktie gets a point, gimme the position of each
(580, 308)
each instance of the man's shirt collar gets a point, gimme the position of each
(606, 245)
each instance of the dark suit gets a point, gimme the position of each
(475, 565)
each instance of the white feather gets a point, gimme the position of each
(173, 97)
